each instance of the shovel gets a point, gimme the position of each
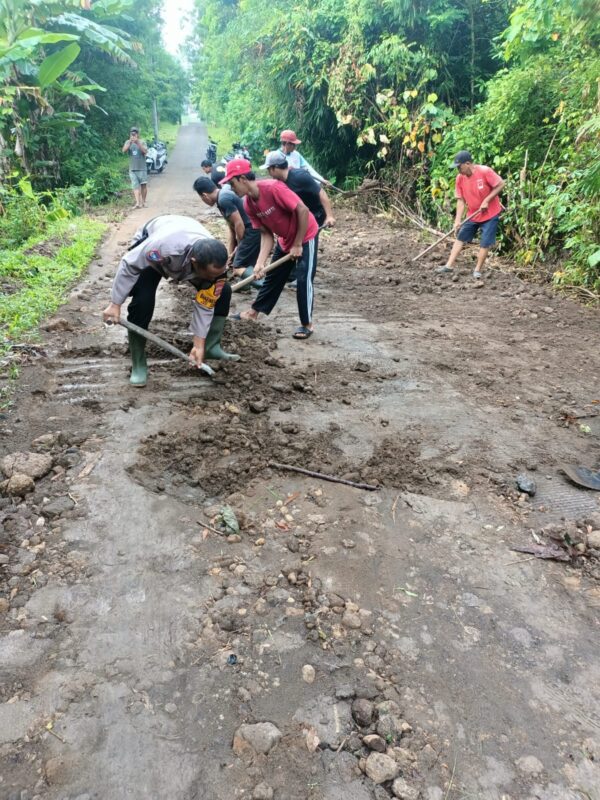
(151, 337)
(269, 268)
(582, 476)
(444, 237)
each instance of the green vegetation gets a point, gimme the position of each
(74, 76)
(396, 87)
(36, 275)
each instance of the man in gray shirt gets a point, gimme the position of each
(179, 248)
(138, 172)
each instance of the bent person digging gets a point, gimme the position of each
(179, 248)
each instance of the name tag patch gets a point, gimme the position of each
(207, 298)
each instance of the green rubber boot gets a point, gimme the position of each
(213, 347)
(139, 367)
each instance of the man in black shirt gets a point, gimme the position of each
(214, 171)
(243, 244)
(301, 182)
(309, 190)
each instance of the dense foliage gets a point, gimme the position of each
(74, 75)
(398, 86)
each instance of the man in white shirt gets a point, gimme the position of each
(288, 141)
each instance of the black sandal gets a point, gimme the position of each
(302, 332)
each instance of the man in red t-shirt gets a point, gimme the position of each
(276, 211)
(477, 188)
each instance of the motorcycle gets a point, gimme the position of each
(211, 151)
(240, 151)
(156, 157)
(237, 151)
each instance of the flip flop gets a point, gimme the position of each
(235, 316)
(302, 333)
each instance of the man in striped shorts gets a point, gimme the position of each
(277, 212)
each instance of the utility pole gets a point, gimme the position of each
(155, 119)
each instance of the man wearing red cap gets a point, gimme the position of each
(288, 141)
(277, 212)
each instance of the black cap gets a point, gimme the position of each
(462, 158)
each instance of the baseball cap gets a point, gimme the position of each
(235, 168)
(461, 158)
(275, 159)
(134, 130)
(289, 136)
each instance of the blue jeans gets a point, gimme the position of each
(488, 231)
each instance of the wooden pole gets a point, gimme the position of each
(269, 268)
(367, 486)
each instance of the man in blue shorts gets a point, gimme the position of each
(477, 189)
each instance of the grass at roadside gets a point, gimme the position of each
(36, 276)
(167, 133)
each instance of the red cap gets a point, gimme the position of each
(289, 136)
(235, 167)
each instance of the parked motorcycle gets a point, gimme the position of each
(156, 157)
(240, 151)
(211, 151)
(237, 151)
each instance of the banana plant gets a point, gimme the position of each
(39, 42)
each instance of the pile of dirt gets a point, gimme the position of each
(222, 452)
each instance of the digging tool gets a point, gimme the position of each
(445, 236)
(151, 337)
(269, 268)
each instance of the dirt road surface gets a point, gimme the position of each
(344, 644)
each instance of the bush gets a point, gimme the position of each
(105, 183)
(72, 199)
(23, 217)
(538, 130)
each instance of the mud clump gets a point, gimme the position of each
(233, 448)
(224, 455)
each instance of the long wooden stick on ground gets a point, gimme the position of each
(367, 486)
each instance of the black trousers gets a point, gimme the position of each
(143, 299)
(275, 281)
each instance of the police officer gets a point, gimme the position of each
(179, 248)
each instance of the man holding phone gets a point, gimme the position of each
(138, 173)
